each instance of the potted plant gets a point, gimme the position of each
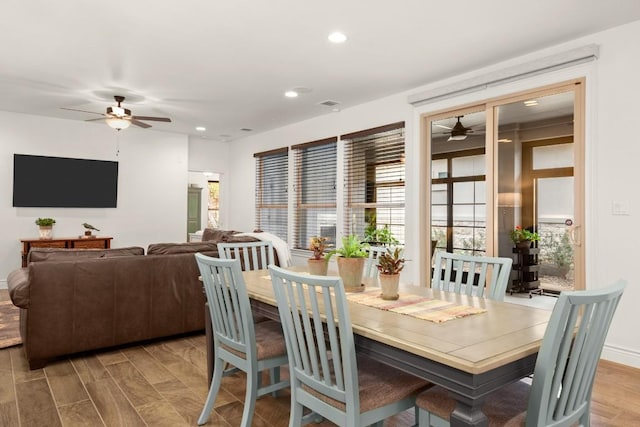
(390, 264)
(556, 254)
(317, 264)
(379, 236)
(351, 258)
(522, 237)
(46, 227)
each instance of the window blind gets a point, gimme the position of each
(374, 180)
(315, 191)
(271, 191)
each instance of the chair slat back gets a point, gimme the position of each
(569, 355)
(321, 355)
(471, 275)
(370, 267)
(252, 255)
(228, 300)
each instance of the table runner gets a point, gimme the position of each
(433, 310)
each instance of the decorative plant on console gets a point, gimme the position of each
(317, 264)
(351, 258)
(390, 264)
(46, 227)
(522, 237)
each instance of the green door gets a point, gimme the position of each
(194, 201)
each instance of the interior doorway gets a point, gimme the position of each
(204, 208)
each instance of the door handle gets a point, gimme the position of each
(575, 235)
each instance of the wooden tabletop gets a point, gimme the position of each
(474, 344)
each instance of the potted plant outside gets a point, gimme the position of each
(556, 254)
(522, 237)
(45, 227)
(390, 264)
(379, 236)
(317, 264)
(351, 258)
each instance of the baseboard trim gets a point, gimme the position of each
(621, 355)
(3, 284)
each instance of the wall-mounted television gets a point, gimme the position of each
(60, 182)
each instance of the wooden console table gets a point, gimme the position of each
(64, 243)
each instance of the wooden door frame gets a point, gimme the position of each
(491, 108)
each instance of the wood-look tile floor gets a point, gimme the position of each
(164, 384)
(156, 384)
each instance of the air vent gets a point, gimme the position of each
(329, 103)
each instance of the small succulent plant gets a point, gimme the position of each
(391, 262)
(318, 244)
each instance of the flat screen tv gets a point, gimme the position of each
(60, 182)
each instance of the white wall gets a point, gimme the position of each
(612, 156)
(152, 183)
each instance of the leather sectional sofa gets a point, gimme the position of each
(78, 300)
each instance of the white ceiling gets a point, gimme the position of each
(225, 64)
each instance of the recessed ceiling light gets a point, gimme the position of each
(291, 94)
(531, 103)
(201, 128)
(337, 37)
(302, 90)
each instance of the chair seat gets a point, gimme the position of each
(504, 407)
(269, 341)
(379, 385)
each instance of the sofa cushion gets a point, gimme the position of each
(58, 254)
(181, 248)
(18, 284)
(216, 235)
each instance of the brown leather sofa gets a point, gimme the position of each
(77, 300)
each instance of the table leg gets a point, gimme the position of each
(468, 412)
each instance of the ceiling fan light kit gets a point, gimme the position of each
(120, 118)
(118, 123)
(459, 132)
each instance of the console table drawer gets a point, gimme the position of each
(64, 243)
(89, 244)
(49, 244)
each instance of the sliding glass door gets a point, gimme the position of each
(511, 162)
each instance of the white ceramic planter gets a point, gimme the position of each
(389, 284)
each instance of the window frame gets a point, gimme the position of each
(392, 154)
(278, 227)
(300, 239)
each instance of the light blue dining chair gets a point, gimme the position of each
(326, 376)
(370, 266)
(249, 347)
(560, 394)
(458, 273)
(252, 255)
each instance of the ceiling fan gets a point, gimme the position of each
(458, 132)
(120, 118)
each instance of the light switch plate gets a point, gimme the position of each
(620, 207)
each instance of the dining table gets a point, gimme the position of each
(470, 356)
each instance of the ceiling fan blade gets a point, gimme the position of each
(140, 124)
(95, 120)
(443, 126)
(81, 111)
(155, 119)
